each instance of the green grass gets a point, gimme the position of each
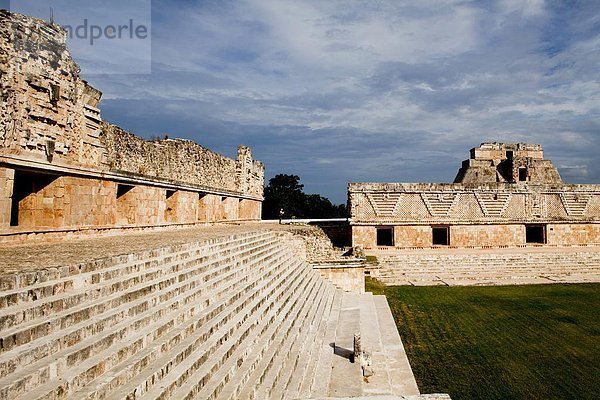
(508, 342)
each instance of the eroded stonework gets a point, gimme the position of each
(480, 211)
(500, 162)
(62, 167)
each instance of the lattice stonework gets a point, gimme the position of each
(594, 205)
(575, 202)
(364, 208)
(493, 204)
(466, 207)
(439, 204)
(411, 207)
(555, 207)
(517, 207)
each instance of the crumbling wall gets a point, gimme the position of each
(49, 115)
(317, 244)
(177, 160)
(42, 108)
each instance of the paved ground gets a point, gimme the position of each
(36, 256)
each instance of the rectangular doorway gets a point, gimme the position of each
(535, 234)
(522, 174)
(385, 236)
(440, 235)
(27, 185)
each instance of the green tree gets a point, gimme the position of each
(287, 193)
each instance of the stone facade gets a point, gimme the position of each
(479, 212)
(62, 167)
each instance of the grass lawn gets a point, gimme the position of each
(504, 342)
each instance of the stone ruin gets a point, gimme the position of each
(504, 195)
(507, 219)
(228, 311)
(500, 162)
(63, 168)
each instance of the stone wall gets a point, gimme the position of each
(430, 203)
(74, 170)
(181, 161)
(505, 192)
(62, 201)
(489, 235)
(6, 191)
(42, 108)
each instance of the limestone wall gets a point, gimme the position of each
(62, 167)
(181, 161)
(488, 235)
(42, 109)
(429, 203)
(573, 234)
(60, 201)
(6, 191)
(485, 215)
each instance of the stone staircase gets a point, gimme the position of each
(237, 316)
(485, 267)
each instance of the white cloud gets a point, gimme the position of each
(402, 77)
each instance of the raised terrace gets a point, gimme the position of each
(207, 312)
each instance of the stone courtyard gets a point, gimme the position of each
(134, 268)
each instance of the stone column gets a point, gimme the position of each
(7, 179)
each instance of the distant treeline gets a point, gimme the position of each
(285, 192)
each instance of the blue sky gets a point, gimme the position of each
(339, 91)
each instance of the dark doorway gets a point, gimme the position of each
(522, 174)
(535, 234)
(385, 236)
(26, 184)
(441, 235)
(122, 190)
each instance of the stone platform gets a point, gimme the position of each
(505, 266)
(221, 312)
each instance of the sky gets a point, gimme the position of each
(361, 91)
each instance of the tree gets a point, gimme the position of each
(287, 193)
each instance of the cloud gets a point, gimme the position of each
(342, 91)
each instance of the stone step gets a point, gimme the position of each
(81, 305)
(35, 279)
(79, 375)
(78, 276)
(139, 299)
(135, 377)
(318, 386)
(257, 366)
(284, 364)
(480, 274)
(192, 377)
(379, 382)
(401, 377)
(476, 274)
(306, 360)
(144, 318)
